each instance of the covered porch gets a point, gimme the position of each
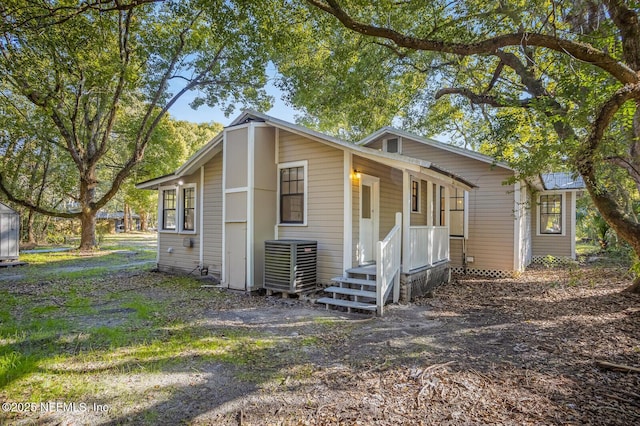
(400, 220)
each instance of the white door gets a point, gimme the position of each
(369, 218)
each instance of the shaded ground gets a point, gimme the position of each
(510, 351)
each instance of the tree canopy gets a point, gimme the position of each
(97, 77)
(538, 84)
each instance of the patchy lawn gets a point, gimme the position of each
(128, 346)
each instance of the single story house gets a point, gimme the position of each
(388, 216)
(497, 229)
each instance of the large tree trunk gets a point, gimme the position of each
(31, 235)
(88, 230)
(143, 221)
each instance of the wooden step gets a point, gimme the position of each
(351, 292)
(363, 270)
(357, 281)
(347, 303)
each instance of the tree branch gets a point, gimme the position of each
(583, 52)
(32, 206)
(481, 99)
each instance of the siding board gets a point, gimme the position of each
(325, 199)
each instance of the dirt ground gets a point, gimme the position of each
(480, 351)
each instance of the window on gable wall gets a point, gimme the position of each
(393, 145)
(550, 208)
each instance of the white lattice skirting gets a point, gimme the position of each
(491, 273)
(552, 260)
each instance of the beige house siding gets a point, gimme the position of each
(553, 245)
(491, 219)
(212, 208)
(184, 259)
(325, 200)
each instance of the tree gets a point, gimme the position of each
(551, 81)
(171, 146)
(81, 64)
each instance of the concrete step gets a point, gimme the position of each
(347, 303)
(351, 292)
(357, 281)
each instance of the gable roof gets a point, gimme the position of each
(6, 209)
(215, 146)
(434, 143)
(561, 180)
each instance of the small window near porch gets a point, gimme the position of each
(456, 213)
(415, 196)
(551, 214)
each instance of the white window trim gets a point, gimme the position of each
(413, 179)
(563, 214)
(161, 191)
(465, 220)
(305, 165)
(384, 145)
(181, 189)
(179, 209)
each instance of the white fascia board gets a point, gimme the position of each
(434, 143)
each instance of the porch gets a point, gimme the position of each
(369, 287)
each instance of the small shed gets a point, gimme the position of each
(9, 233)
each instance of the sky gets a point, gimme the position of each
(204, 114)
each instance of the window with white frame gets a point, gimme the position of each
(456, 212)
(189, 208)
(415, 196)
(393, 145)
(550, 214)
(168, 209)
(292, 185)
(178, 209)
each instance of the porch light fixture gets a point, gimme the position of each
(180, 182)
(357, 174)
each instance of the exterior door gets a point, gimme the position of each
(236, 255)
(369, 218)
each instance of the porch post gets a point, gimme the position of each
(447, 207)
(430, 205)
(406, 220)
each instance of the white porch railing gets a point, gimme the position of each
(388, 265)
(428, 245)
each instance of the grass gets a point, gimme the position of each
(64, 336)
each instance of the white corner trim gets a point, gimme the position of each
(347, 228)
(251, 134)
(201, 217)
(223, 266)
(406, 221)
